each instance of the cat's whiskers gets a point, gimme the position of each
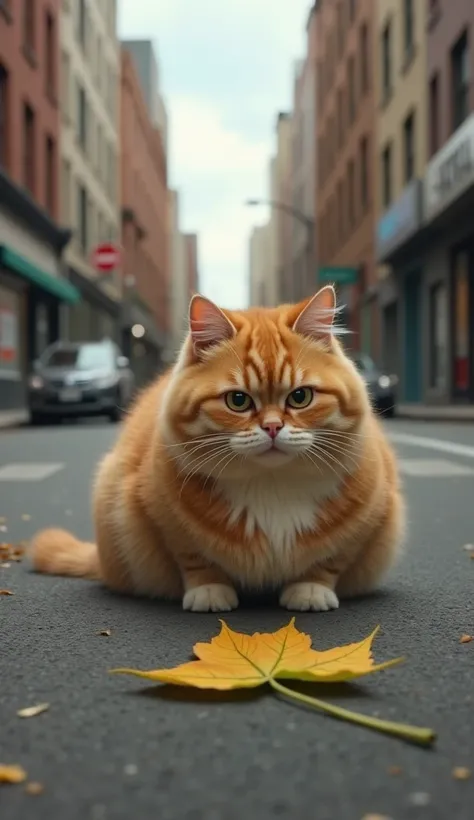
(201, 463)
(321, 454)
(202, 458)
(198, 447)
(204, 438)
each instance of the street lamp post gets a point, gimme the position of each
(301, 217)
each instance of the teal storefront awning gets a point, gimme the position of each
(59, 288)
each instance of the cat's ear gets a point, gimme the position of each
(208, 324)
(315, 319)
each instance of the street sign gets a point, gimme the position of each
(340, 276)
(106, 257)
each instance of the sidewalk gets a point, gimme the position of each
(12, 418)
(435, 413)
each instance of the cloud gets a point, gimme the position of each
(225, 71)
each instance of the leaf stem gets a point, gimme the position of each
(424, 737)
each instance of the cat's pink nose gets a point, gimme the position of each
(272, 428)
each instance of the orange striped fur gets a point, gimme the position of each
(200, 498)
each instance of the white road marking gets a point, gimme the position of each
(29, 472)
(433, 468)
(433, 444)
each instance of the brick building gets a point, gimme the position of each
(145, 217)
(345, 210)
(32, 286)
(191, 262)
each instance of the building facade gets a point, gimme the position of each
(259, 261)
(428, 239)
(283, 196)
(191, 256)
(401, 156)
(32, 284)
(145, 228)
(89, 148)
(345, 211)
(304, 167)
(179, 278)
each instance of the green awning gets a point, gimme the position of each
(23, 267)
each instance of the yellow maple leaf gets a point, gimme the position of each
(233, 660)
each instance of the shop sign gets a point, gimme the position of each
(400, 222)
(338, 276)
(451, 172)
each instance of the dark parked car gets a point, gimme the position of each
(381, 386)
(79, 379)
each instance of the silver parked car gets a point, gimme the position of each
(80, 379)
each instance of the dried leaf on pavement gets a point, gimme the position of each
(233, 660)
(106, 633)
(395, 770)
(6, 592)
(33, 711)
(466, 639)
(34, 788)
(461, 773)
(12, 774)
(469, 548)
(26, 517)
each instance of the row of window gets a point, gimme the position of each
(81, 213)
(335, 38)
(103, 74)
(83, 24)
(93, 142)
(388, 159)
(29, 149)
(348, 204)
(386, 47)
(31, 43)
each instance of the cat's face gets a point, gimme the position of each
(263, 390)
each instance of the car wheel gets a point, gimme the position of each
(36, 419)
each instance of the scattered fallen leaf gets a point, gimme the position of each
(12, 552)
(466, 639)
(105, 632)
(233, 661)
(395, 770)
(469, 548)
(375, 817)
(6, 592)
(12, 774)
(3, 528)
(26, 517)
(461, 773)
(34, 788)
(33, 711)
(130, 769)
(5, 566)
(3, 520)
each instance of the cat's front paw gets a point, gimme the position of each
(305, 597)
(211, 598)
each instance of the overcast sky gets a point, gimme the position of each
(226, 69)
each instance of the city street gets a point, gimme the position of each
(111, 747)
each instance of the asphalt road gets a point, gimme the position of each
(111, 747)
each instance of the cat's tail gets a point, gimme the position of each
(57, 552)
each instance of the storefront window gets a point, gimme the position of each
(438, 336)
(461, 322)
(10, 363)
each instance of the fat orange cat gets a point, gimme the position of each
(255, 463)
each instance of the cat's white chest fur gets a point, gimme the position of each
(280, 508)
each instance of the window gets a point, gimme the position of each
(81, 117)
(364, 59)
(82, 23)
(29, 28)
(82, 226)
(50, 54)
(65, 84)
(386, 62)
(438, 311)
(29, 148)
(351, 194)
(66, 192)
(409, 147)
(352, 90)
(4, 119)
(408, 27)
(340, 118)
(387, 176)
(460, 81)
(364, 173)
(434, 114)
(50, 176)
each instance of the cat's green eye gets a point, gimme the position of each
(238, 402)
(300, 398)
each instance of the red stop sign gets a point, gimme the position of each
(106, 257)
